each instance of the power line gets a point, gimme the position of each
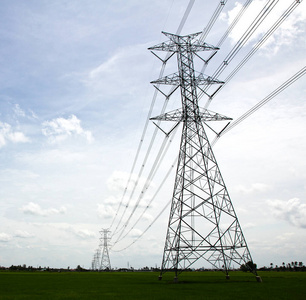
(264, 101)
(154, 170)
(246, 36)
(168, 55)
(227, 32)
(278, 90)
(264, 12)
(268, 34)
(212, 20)
(240, 43)
(145, 187)
(185, 16)
(141, 235)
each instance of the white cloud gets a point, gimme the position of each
(35, 209)
(292, 211)
(52, 156)
(4, 237)
(23, 234)
(60, 129)
(249, 225)
(33, 115)
(18, 111)
(118, 180)
(135, 233)
(122, 72)
(63, 231)
(29, 114)
(286, 237)
(255, 187)
(284, 35)
(84, 233)
(147, 217)
(105, 211)
(112, 201)
(9, 134)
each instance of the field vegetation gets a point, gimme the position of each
(145, 285)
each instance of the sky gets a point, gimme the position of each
(75, 94)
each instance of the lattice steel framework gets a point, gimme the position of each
(202, 222)
(105, 261)
(96, 259)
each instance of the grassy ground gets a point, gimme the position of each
(201, 285)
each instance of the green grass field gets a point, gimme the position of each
(145, 285)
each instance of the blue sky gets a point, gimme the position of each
(74, 97)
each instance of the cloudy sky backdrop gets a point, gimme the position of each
(74, 99)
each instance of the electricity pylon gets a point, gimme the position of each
(95, 260)
(202, 222)
(105, 261)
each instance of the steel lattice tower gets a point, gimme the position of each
(202, 222)
(95, 260)
(105, 261)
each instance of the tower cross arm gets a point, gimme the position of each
(179, 116)
(175, 79)
(176, 42)
(174, 47)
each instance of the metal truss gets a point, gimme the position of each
(202, 222)
(95, 261)
(105, 261)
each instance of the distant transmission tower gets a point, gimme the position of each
(105, 261)
(202, 222)
(95, 260)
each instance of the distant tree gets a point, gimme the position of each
(249, 266)
(79, 268)
(288, 265)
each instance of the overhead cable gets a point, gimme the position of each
(145, 187)
(180, 27)
(212, 20)
(141, 235)
(227, 32)
(234, 51)
(264, 38)
(241, 42)
(246, 36)
(282, 87)
(154, 196)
